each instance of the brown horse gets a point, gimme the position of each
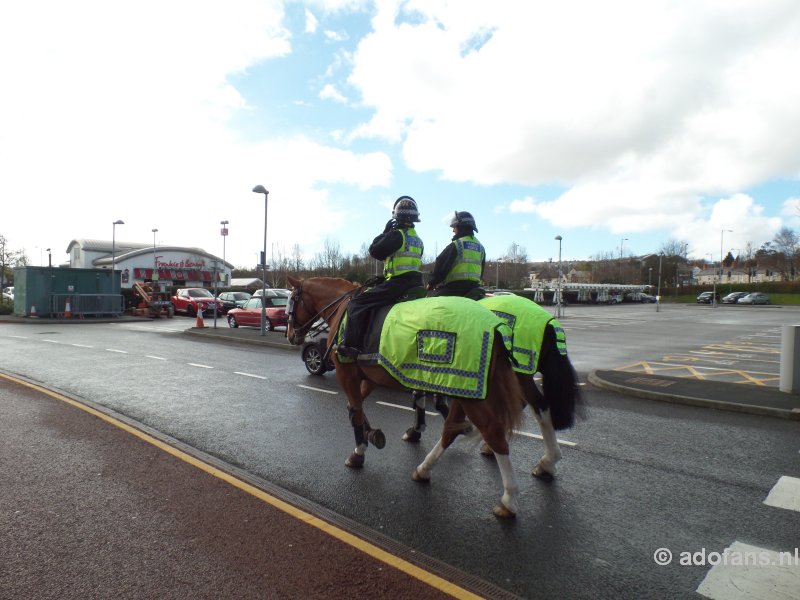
(495, 417)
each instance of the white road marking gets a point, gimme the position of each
(51, 341)
(785, 494)
(117, 351)
(19, 337)
(408, 408)
(436, 414)
(82, 346)
(308, 387)
(753, 573)
(154, 357)
(539, 437)
(249, 375)
(199, 365)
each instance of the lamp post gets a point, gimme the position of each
(649, 276)
(114, 251)
(558, 284)
(260, 189)
(620, 258)
(658, 293)
(721, 236)
(154, 278)
(224, 233)
(49, 258)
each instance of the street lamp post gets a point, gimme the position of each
(114, 251)
(558, 284)
(224, 233)
(658, 293)
(260, 189)
(154, 278)
(721, 235)
(649, 277)
(620, 258)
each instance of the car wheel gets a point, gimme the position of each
(267, 325)
(312, 357)
(232, 322)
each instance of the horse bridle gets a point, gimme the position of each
(297, 298)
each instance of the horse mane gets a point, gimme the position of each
(562, 394)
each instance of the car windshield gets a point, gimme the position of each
(200, 293)
(282, 301)
(241, 296)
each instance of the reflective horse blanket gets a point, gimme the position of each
(442, 344)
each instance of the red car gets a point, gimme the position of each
(250, 314)
(190, 300)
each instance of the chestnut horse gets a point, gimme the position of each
(554, 406)
(495, 417)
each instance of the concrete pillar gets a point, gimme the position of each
(790, 359)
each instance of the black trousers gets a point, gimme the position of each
(360, 308)
(468, 289)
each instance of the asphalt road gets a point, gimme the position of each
(640, 476)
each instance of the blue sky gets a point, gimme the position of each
(617, 125)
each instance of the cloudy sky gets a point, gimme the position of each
(616, 124)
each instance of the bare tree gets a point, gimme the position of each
(785, 243)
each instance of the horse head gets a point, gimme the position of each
(313, 299)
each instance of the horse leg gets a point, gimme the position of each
(453, 426)
(546, 468)
(362, 431)
(414, 433)
(495, 438)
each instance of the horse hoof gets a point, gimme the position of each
(376, 438)
(417, 476)
(540, 473)
(485, 450)
(355, 461)
(501, 512)
(412, 435)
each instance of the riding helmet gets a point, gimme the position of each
(405, 210)
(463, 220)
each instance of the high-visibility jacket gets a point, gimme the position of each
(469, 261)
(407, 258)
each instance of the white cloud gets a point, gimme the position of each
(311, 22)
(640, 123)
(329, 92)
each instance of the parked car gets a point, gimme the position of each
(190, 301)
(273, 293)
(8, 293)
(733, 297)
(314, 349)
(233, 300)
(705, 297)
(754, 298)
(250, 314)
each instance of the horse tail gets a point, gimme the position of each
(562, 394)
(506, 394)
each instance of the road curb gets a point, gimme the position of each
(195, 331)
(752, 409)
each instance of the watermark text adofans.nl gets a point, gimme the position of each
(702, 557)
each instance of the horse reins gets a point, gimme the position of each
(297, 296)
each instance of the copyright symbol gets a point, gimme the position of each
(662, 556)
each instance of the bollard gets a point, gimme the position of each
(790, 359)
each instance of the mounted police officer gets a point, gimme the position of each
(400, 249)
(457, 272)
(459, 267)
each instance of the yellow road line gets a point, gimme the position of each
(367, 548)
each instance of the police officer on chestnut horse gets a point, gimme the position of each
(400, 249)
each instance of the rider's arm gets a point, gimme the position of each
(444, 262)
(386, 244)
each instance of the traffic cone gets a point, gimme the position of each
(199, 324)
(33, 311)
(68, 310)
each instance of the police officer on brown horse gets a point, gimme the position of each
(400, 249)
(458, 271)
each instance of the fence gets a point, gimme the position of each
(86, 305)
